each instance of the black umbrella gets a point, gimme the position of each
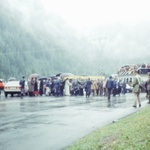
(42, 78)
(52, 77)
(57, 75)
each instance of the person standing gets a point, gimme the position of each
(88, 87)
(124, 87)
(22, 86)
(41, 87)
(114, 87)
(100, 88)
(31, 86)
(67, 87)
(147, 87)
(36, 88)
(104, 87)
(136, 89)
(109, 86)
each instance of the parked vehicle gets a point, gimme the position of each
(128, 88)
(12, 79)
(2, 83)
(13, 87)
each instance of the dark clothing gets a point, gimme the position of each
(22, 88)
(88, 88)
(22, 83)
(100, 88)
(75, 89)
(81, 87)
(147, 87)
(124, 88)
(109, 83)
(109, 86)
(36, 86)
(41, 87)
(116, 88)
(61, 86)
(56, 87)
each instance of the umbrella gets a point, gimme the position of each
(42, 78)
(63, 75)
(53, 76)
(57, 75)
(33, 75)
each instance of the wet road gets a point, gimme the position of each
(53, 123)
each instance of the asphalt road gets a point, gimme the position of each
(53, 123)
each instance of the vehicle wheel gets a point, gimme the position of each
(5, 94)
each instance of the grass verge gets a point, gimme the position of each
(130, 133)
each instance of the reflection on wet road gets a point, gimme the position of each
(46, 123)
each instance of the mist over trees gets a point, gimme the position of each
(41, 45)
(34, 41)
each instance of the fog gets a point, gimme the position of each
(117, 31)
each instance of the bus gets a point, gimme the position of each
(126, 72)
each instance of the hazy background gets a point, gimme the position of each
(80, 36)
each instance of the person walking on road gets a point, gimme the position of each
(109, 86)
(22, 86)
(136, 89)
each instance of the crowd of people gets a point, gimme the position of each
(57, 86)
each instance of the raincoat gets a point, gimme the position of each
(67, 88)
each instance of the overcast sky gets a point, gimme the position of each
(85, 14)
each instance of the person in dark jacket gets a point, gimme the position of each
(41, 87)
(61, 87)
(36, 88)
(22, 86)
(109, 86)
(124, 87)
(88, 87)
(56, 87)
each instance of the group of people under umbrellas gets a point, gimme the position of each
(58, 86)
(64, 86)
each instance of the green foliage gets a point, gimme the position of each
(129, 133)
(37, 45)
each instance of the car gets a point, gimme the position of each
(2, 83)
(128, 88)
(13, 87)
(12, 79)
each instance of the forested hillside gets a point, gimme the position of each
(34, 40)
(39, 46)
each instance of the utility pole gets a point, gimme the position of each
(99, 45)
